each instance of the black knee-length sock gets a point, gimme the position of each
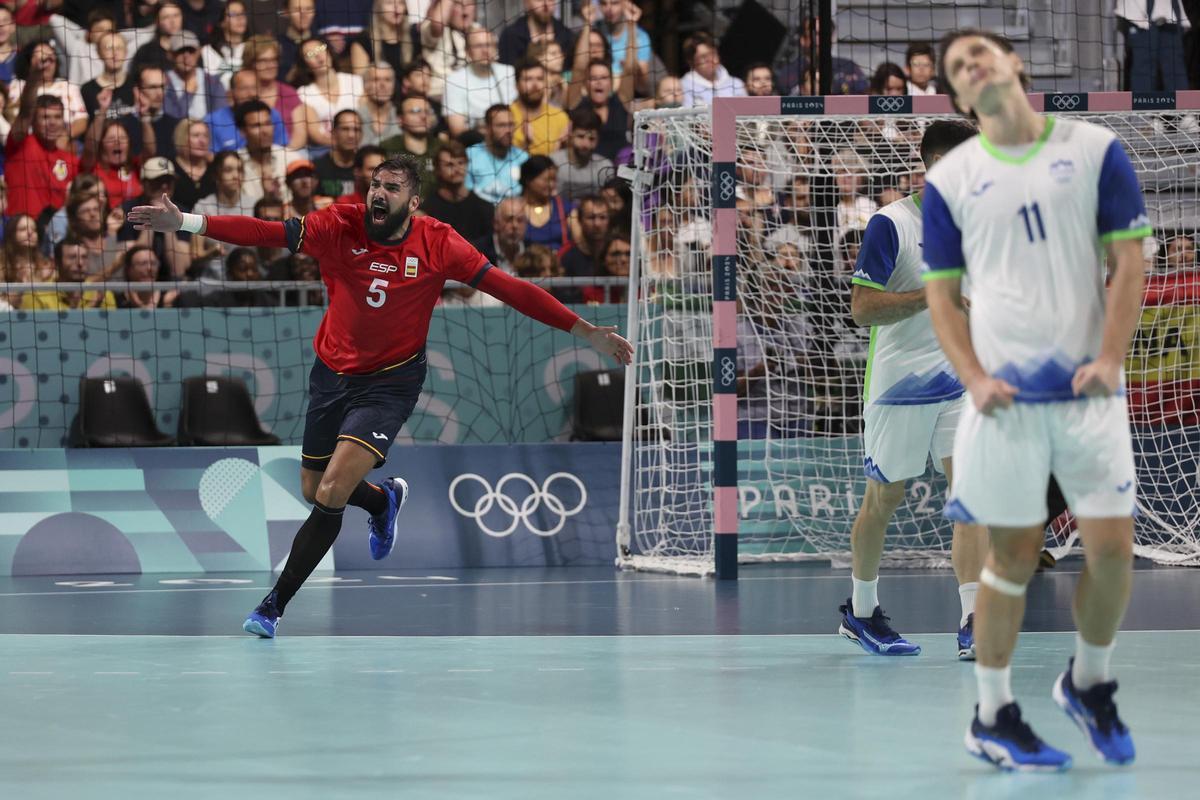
(312, 542)
(368, 497)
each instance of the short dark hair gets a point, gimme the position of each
(66, 241)
(128, 255)
(753, 65)
(598, 62)
(592, 200)
(526, 64)
(144, 68)
(243, 110)
(585, 119)
(943, 80)
(360, 157)
(343, 112)
(919, 49)
(943, 136)
(47, 101)
(493, 110)
(406, 165)
(534, 166)
(266, 201)
(24, 60)
(413, 66)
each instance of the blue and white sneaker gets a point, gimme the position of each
(1094, 711)
(383, 526)
(1012, 745)
(966, 639)
(874, 634)
(264, 619)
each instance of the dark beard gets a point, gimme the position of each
(383, 231)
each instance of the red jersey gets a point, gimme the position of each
(38, 177)
(381, 297)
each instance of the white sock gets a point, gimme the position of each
(865, 597)
(1091, 663)
(966, 596)
(995, 691)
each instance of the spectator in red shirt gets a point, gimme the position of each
(108, 154)
(38, 173)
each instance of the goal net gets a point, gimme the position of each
(803, 187)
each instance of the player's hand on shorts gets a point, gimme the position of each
(608, 341)
(166, 218)
(1096, 379)
(989, 394)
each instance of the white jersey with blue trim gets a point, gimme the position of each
(1028, 226)
(905, 363)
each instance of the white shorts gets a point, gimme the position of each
(899, 439)
(1002, 463)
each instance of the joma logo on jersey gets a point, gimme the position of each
(379, 266)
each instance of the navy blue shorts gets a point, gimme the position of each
(368, 410)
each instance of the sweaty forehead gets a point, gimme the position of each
(391, 176)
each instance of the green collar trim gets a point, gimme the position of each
(991, 149)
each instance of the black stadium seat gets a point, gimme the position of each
(218, 412)
(114, 412)
(599, 406)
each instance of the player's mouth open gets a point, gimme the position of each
(379, 212)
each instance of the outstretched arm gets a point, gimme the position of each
(245, 231)
(536, 303)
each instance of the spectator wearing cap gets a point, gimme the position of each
(225, 132)
(168, 21)
(38, 172)
(537, 24)
(707, 79)
(302, 184)
(191, 92)
(541, 129)
(451, 201)
(193, 155)
(482, 83)
(264, 161)
(581, 170)
(173, 250)
(366, 160)
(416, 140)
(377, 107)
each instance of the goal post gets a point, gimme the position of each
(742, 436)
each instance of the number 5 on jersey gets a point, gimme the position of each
(376, 294)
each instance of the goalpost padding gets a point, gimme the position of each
(682, 510)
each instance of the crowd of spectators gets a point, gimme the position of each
(242, 107)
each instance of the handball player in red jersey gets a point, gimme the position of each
(384, 269)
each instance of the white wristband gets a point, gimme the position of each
(192, 223)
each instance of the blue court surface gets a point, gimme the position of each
(554, 683)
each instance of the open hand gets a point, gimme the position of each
(610, 343)
(163, 219)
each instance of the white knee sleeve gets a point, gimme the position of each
(1001, 585)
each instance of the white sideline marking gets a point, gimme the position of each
(203, 672)
(290, 672)
(560, 669)
(470, 670)
(29, 672)
(417, 578)
(379, 671)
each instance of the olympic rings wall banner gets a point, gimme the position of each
(197, 510)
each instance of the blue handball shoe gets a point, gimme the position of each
(264, 619)
(874, 634)
(383, 526)
(1094, 711)
(1012, 745)
(966, 639)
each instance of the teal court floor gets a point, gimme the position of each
(554, 684)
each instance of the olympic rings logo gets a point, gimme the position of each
(728, 371)
(726, 185)
(521, 511)
(889, 104)
(1065, 102)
